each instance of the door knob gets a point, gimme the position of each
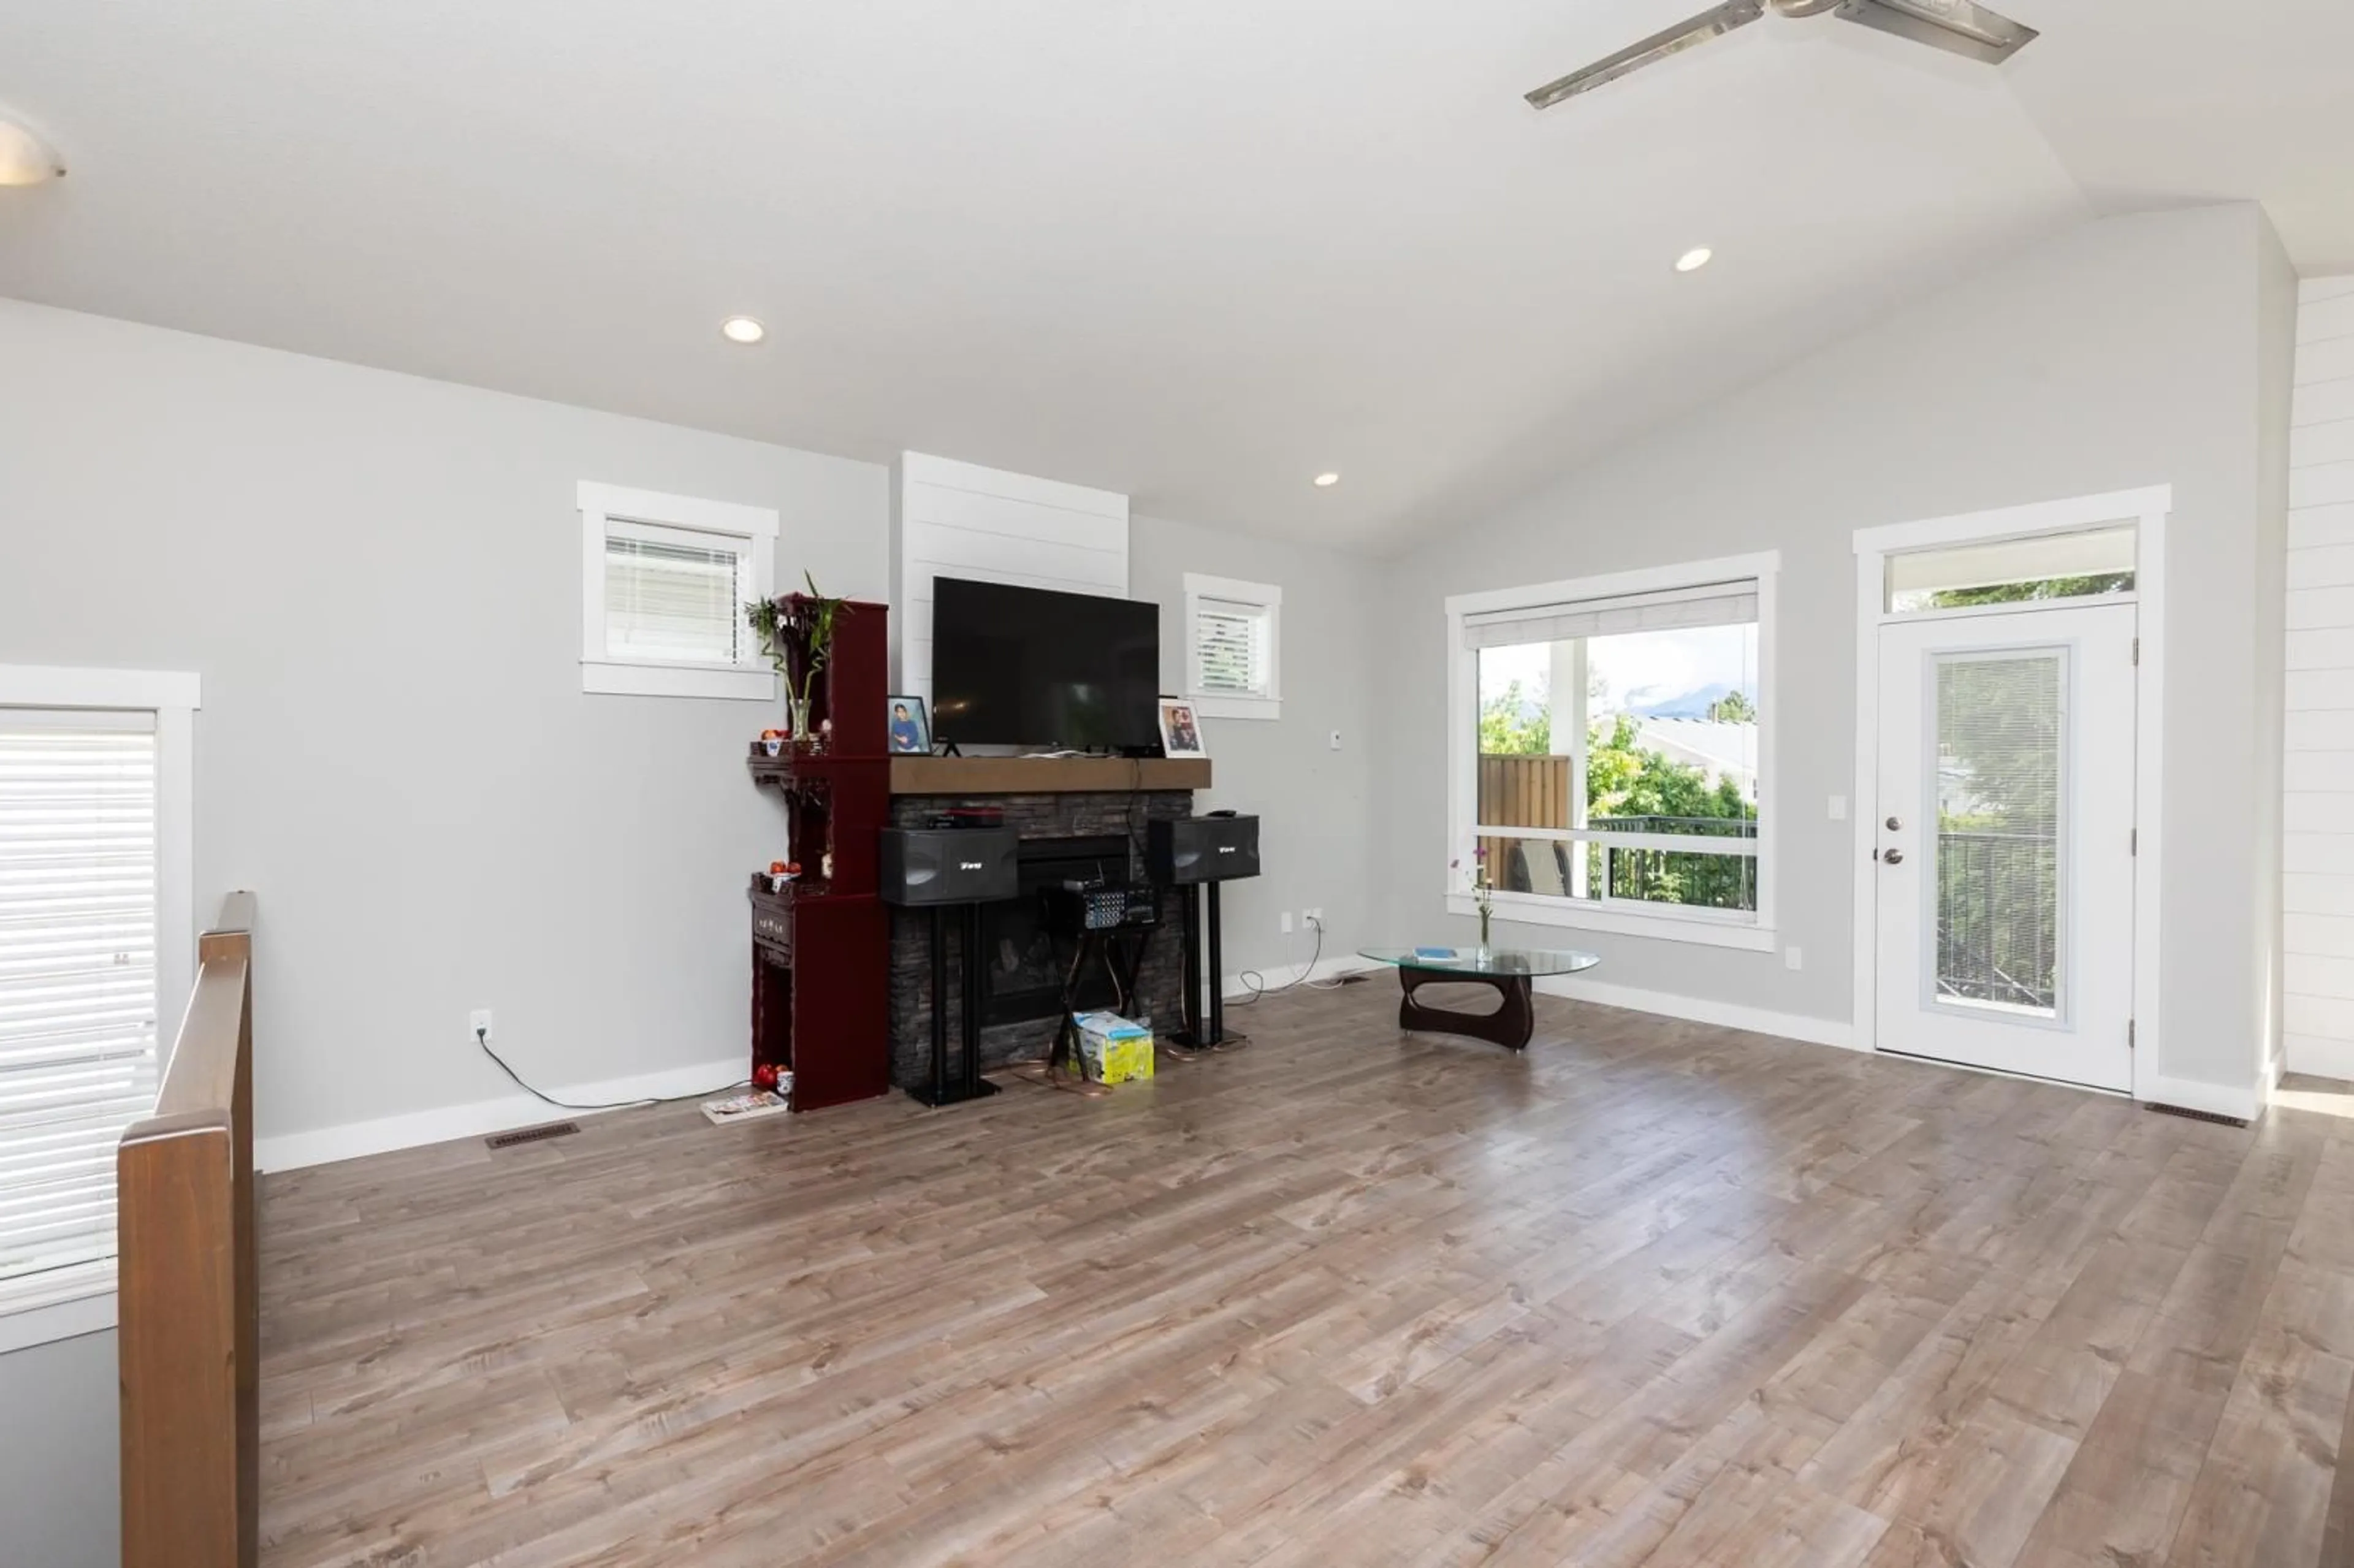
(1891, 857)
(1894, 825)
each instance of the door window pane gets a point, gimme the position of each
(1996, 898)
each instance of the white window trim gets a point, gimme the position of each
(752, 680)
(2148, 509)
(1234, 590)
(1705, 927)
(173, 696)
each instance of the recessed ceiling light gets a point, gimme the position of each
(742, 329)
(24, 158)
(1326, 481)
(1695, 258)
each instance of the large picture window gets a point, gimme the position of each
(1610, 746)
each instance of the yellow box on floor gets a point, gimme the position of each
(1112, 1050)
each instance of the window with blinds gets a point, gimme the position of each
(1609, 749)
(1230, 649)
(78, 988)
(669, 599)
(1234, 647)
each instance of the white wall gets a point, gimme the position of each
(376, 575)
(377, 578)
(1317, 843)
(959, 520)
(2126, 353)
(60, 1454)
(2318, 892)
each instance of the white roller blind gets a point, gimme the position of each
(1230, 648)
(670, 599)
(1719, 604)
(78, 1026)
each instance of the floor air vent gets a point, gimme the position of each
(533, 1134)
(2217, 1118)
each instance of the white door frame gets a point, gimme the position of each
(2146, 509)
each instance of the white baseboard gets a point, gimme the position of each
(1697, 1009)
(2219, 1099)
(2321, 1058)
(1291, 974)
(322, 1146)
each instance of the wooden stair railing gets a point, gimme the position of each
(189, 1312)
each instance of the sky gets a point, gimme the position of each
(1642, 668)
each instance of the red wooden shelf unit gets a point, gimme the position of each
(822, 949)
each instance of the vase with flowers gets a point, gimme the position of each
(796, 633)
(1483, 891)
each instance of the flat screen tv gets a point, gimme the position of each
(1023, 666)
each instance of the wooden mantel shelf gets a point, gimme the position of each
(1044, 775)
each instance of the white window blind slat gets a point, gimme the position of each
(1722, 604)
(674, 603)
(77, 976)
(1230, 649)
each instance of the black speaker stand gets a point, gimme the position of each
(969, 1084)
(1203, 924)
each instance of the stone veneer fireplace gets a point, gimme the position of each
(1062, 834)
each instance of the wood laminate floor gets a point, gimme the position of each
(1655, 1293)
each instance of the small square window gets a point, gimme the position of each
(664, 582)
(1234, 647)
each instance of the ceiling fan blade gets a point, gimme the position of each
(1689, 34)
(1959, 26)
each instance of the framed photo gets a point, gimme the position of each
(910, 728)
(1181, 729)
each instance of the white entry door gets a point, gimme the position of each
(2006, 841)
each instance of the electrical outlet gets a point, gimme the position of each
(1336, 740)
(1314, 916)
(1792, 958)
(478, 1024)
(1286, 922)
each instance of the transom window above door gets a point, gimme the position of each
(1609, 751)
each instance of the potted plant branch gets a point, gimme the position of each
(796, 633)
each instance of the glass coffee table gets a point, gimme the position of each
(1506, 970)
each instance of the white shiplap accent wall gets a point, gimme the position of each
(2317, 808)
(953, 519)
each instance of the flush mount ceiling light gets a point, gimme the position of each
(1693, 259)
(1958, 26)
(1326, 481)
(742, 329)
(24, 158)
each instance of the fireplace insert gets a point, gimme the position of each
(1021, 967)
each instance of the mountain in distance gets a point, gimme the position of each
(1650, 702)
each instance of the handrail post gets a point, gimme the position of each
(188, 1303)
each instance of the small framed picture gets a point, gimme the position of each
(911, 727)
(1181, 729)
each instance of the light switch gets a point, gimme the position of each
(1838, 808)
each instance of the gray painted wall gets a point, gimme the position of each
(1315, 804)
(60, 1455)
(377, 578)
(2124, 354)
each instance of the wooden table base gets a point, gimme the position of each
(1510, 1026)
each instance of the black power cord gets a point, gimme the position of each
(1256, 982)
(482, 1038)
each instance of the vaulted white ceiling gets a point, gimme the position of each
(1196, 252)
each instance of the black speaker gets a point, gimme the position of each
(1203, 849)
(961, 865)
